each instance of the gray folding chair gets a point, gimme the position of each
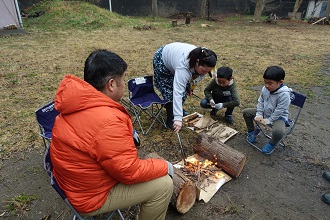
(297, 103)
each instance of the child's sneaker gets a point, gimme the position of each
(268, 149)
(213, 112)
(252, 135)
(229, 119)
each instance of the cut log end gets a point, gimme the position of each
(186, 198)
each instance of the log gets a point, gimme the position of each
(184, 190)
(224, 157)
(193, 122)
(319, 20)
(190, 117)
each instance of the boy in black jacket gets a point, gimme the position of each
(222, 93)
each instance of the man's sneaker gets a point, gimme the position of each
(326, 175)
(252, 135)
(326, 198)
(229, 119)
(268, 149)
(213, 112)
(185, 113)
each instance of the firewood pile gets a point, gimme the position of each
(272, 18)
(10, 27)
(205, 124)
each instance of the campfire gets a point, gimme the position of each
(204, 173)
(198, 168)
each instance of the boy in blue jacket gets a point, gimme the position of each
(272, 109)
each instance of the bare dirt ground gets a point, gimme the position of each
(284, 185)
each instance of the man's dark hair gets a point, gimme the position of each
(225, 72)
(101, 66)
(205, 56)
(274, 73)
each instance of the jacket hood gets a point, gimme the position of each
(231, 82)
(75, 94)
(283, 88)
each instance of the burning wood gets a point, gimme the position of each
(227, 158)
(198, 168)
(203, 174)
(206, 175)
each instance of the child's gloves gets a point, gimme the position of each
(136, 139)
(218, 106)
(170, 169)
(264, 121)
(258, 118)
(212, 103)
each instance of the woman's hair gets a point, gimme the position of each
(205, 56)
(274, 73)
(101, 66)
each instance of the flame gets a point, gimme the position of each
(219, 175)
(194, 165)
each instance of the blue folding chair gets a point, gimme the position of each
(49, 167)
(297, 102)
(46, 117)
(144, 99)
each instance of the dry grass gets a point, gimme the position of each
(32, 65)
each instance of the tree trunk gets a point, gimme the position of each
(260, 5)
(184, 190)
(295, 9)
(154, 8)
(225, 157)
(202, 8)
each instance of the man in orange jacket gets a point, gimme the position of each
(94, 157)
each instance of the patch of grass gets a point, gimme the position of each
(240, 18)
(20, 204)
(32, 65)
(230, 210)
(68, 15)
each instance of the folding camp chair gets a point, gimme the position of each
(297, 103)
(46, 117)
(49, 167)
(144, 99)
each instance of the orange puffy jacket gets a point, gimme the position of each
(92, 148)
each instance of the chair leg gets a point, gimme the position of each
(154, 113)
(113, 213)
(121, 216)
